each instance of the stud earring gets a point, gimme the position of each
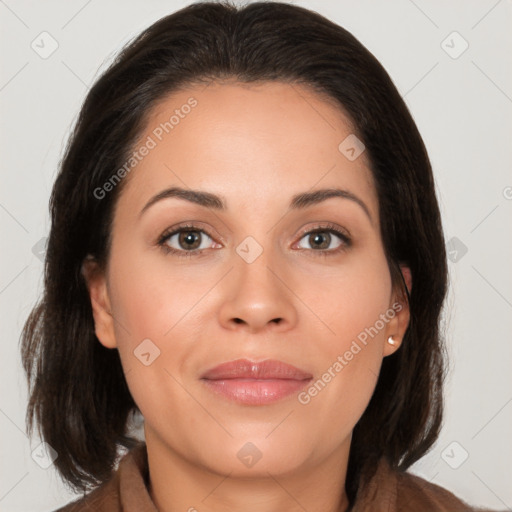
(391, 341)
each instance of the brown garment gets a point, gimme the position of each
(388, 491)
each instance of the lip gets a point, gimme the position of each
(255, 383)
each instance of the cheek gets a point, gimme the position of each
(149, 316)
(151, 301)
(349, 365)
(350, 352)
(149, 309)
(353, 298)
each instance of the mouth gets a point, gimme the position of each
(252, 383)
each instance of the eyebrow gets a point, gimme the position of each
(215, 202)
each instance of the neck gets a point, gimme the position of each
(178, 485)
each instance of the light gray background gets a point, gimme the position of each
(463, 108)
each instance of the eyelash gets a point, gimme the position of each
(328, 228)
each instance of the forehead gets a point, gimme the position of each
(254, 144)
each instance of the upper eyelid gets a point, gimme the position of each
(175, 230)
(329, 226)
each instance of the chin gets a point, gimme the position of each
(255, 456)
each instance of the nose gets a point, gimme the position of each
(258, 297)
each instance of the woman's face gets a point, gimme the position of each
(249, 280)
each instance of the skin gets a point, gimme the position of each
(257, 146)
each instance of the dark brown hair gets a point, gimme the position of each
(79, 397)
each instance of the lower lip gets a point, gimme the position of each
(254, 391)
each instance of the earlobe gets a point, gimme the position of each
(391, 345)
(399, 323)
(100, 303)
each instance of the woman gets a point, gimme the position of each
(246, 248)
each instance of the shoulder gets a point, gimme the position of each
(104, 498)
(393, 490)
(416, 493)
(127, 485)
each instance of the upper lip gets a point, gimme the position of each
(245, 369)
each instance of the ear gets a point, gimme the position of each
(100, 302)
(406, 272)
(397, 326)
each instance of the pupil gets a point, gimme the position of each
(188, 237)
(318, 237)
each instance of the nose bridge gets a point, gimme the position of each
(257, 297)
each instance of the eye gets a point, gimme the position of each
(191, 240)
(187, 240)
(321, 240)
